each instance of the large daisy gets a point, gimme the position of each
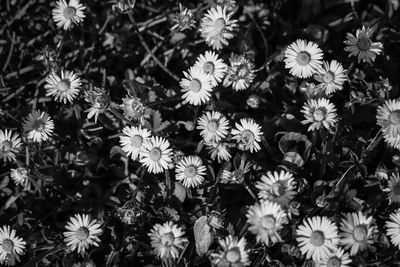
(9, 145)
(11, 246)
(190, 171)
(133, 139)
(233, 253)
(331, 77)
(319, 114)
(248, 135)
(361, 45)
(38, 126)
(156, 154)
(66, 14)
(213, 125)
(197, 86)
(64, 88)
(393, 228)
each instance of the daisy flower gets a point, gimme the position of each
(132, 140)
(218, 150)
(82, 232)
(217, 26)
(197, 86)
(277, 187)
(19, 175)
(388, 117)
(133, 108)
(336, 259)
(331, 77)
(393, 188)
(213, 125)
(212, 65)
(248, 134)
(303, 58)
(319, 114)
(190, 171)
(240, 73)
(266, 219)
(38, 126)
(64, 15)
(11, 246)
(9, 145)
(317, 237)
(357, 232)
(156, 154)
(184, 19)
(65, 87)
(99, 100)
(361, 46)
(233, 253)
(393, 228)
(167, 240)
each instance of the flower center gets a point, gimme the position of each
(212, 126)
(317, 238)
(334, 262)
(195, 85)
(328, 77)
(6, 146)
(394, 117)
(268, 222)
(63, 85)
(168, 239)
(360, 233)
(247, 137)
(82, 233)
(190, 171)
(233, 255)
(243, 71)
(103, 101)
(69, 12)
(39, 125)
(7, 245)
(396, 188)
(278, 189)
(364, 43)
(208, 67)
(319, 114)
(155, 154)
(303, 58)
(219, 24)
(136, 141)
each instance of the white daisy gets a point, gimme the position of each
(167, 240)
(336, 259)
(331, 77)
(233, 253)
(38, 126)
(266, 219)
(133, 139)
(317, 237)
(213, 125)
(19, 175)
(391, 140)
(11, 246)
(361, 46)
(393, 228)
(65, 87)
(197, 86)
(212, 65)
(82, 232)
(388, 117)
(393, 188)
(9, 145)
(303, 58)
(99, 100)
(357, 232)
(190, 171)
(217, 27)
(156, 154)
(240, 73)
(247, 134)
(218, 150)
(319, 114)
(277, 187)
(64, 15)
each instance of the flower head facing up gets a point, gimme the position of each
(331, 77)
(319, 114)
(9, 145)
(19, 175)
(218, 150)
(213, 125)
(82, 232)
(248, 135)
(357, 232)
(217, 27)
(196, 86)
(266, 219)
(99, 101)
(233, 253)
(133, 139)
(156, 154)
(303, 58)
(38, 126)
(240, 73)
(336, 259)
(317, 237)
(63, 88)
(11, 246)
(64, 15)
(361, 45)
(212, 65)
(184, 19)
(393, 228)
(167, 240)
(190, 171)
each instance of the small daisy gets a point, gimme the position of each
(184, 19)
(331, 77)
(213, 125)
(303, 58)
(240, 73)
(319, 114)
(233, 253)
(393, 188)
(133, 108)
(212, 65)
(133, 139)
(357, 232)
(393, 228)
(218, 150)
(38, 126)
(156, 154)
(19, 175)
(66, 14)
(277, 187)
(190, 171)
(336, 259)
(361, 46)
(167, 240)
(64, 88)
(266, 219)
(317, 237)
(197, 86)
(9, 145)
(388, 117)
(11, 246)
(217, 27)
(248, 134)
(99, 100)
(82, 232)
